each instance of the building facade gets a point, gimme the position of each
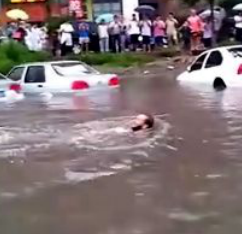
(106, 6)
(37, 9)
(127, 7)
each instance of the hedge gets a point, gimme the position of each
(14, 53)
(115, 60)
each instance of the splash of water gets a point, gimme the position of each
(113, 134)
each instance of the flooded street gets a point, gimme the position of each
(63, 171)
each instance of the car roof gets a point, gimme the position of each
(48, 63)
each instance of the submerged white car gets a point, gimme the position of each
(59, 77)
(219, 67)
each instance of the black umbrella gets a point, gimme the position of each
(145, 10)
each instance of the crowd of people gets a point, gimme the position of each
(139, 33)
(31, 35)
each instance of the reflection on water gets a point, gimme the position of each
(66, 167)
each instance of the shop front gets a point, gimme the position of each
(106, 6)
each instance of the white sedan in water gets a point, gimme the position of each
(59, 77)
(219, 67)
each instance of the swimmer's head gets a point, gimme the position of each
(142, 122)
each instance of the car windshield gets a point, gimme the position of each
(236, 52)
(73, 69)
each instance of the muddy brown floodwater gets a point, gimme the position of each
(65, 169)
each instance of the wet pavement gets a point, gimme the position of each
(64, 167)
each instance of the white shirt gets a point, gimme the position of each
(238, 21)
(146, 28)
(103, 31)
(134, 28)
(208, 32)
(115, 28)
(66, 30)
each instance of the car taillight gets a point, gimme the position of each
(114, 81)
(15, 87)
(79, 85)
(239, 72)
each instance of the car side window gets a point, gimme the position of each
(198, 63)
(215, 59)
(35, 74)
(16, 74)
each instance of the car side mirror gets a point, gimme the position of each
(189, 69)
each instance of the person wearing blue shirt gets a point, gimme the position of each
(84, 38)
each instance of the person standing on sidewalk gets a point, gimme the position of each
(196, 27)
(171, 29)
(134, 32)
(84, 39)
(186, 37)
(66, 38)
(238, 26)
(123, 34)
(207, 33)
(146, 33)
(103, 36)
(115, 34)
(159, 31)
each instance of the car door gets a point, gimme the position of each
(213, 66)
(34, 80)
(196, 70)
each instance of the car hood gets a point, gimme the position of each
(182, 76)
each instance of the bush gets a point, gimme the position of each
(168, 52)
(6, 65)
(14, 53)
(116, 60)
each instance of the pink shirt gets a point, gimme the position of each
(159, 28)
(195, 24)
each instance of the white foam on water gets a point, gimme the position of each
(86, 176)
(185, 216)
(106, 136)
(5, 137)
(214, 176)
(120, 166)
(13, 96)
(8, 195)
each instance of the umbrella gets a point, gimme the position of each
(207, 13)
(145, 10)
(106, 17)
(217, 14)
(17, 14)
(238, 7)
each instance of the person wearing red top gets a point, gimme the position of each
(195, 24)
(159, 30)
